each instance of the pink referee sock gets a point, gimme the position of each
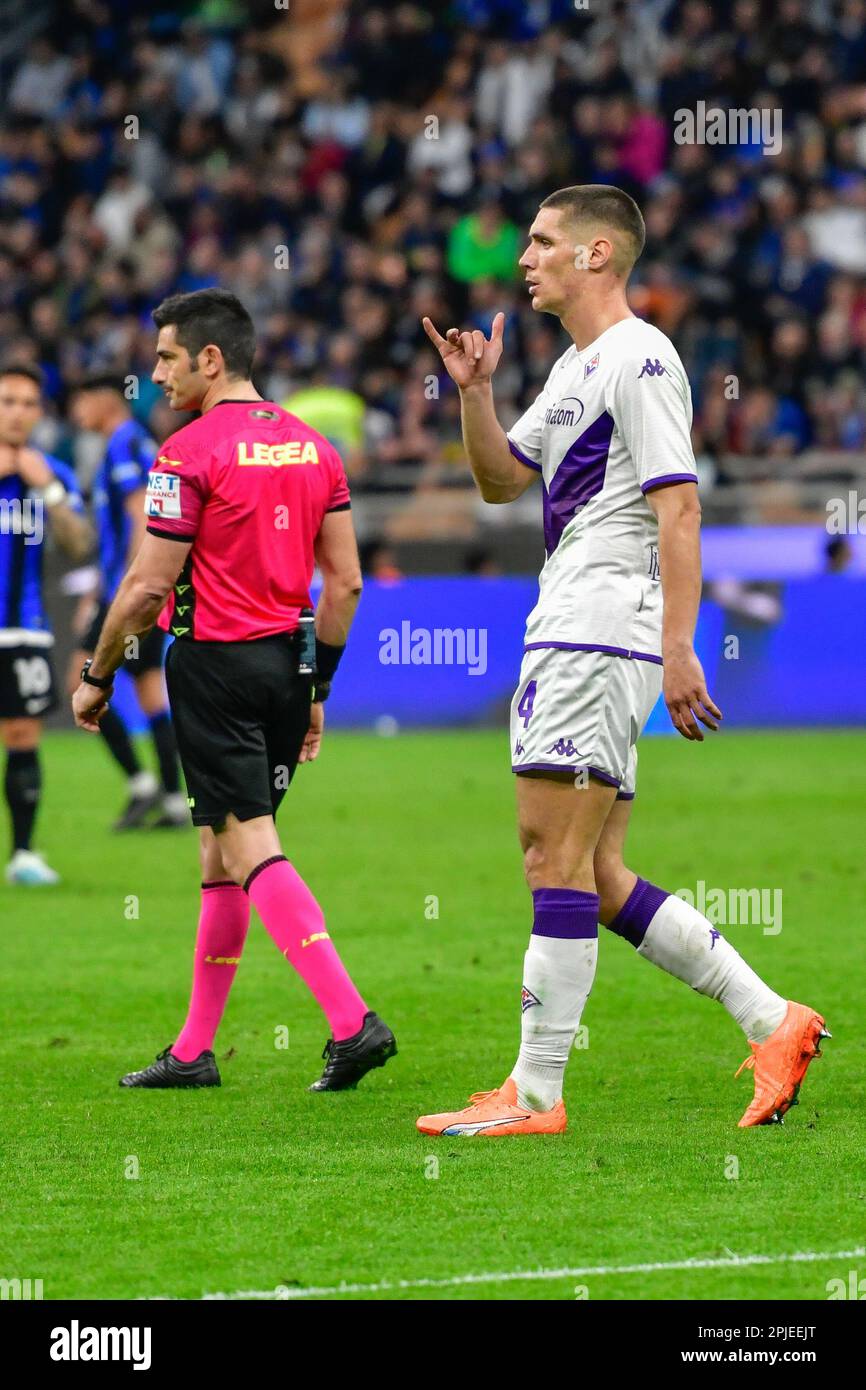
(222, 931)
(294, 919)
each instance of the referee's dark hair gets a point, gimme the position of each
(28, 369)
(211, 316)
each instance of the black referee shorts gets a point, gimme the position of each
(150, 648)
(240, 712)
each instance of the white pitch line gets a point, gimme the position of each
(284, 1293)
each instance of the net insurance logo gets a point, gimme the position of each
(163, 495)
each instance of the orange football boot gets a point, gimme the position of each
(495, 1114)
(780, 1064)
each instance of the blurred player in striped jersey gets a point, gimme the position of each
(609, 439)
(34, 489)
(241, 503)
(119, 488)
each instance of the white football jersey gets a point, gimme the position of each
(612, 422)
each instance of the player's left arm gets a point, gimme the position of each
(652, 409)
(136, 607)
(678, 511)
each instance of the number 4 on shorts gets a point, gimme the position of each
(524, 709)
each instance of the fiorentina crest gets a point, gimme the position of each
(527, 999)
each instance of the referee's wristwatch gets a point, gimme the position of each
(102, 682)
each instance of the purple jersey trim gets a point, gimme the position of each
(521, 457)
(668, 478)
(578, 479)
(592, 647)
(568, 767)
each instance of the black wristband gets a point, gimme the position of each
(101, 682)
(327, 660)
(321, 691)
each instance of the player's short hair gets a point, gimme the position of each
(28, 369)
(606, 206)
(211, 316)
(101, 381)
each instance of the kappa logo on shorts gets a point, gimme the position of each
(519, 749)
(565, 748)
(163, 496)
(527, 999)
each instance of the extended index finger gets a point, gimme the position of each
(433, 334)
(497, 328)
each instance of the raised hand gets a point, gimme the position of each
(469, 357)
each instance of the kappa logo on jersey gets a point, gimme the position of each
(527, 999)
(653, 570)
(163, 496)
(651, 369)
(294, 451)
(714, 937)
(591, 366)
(564, 414)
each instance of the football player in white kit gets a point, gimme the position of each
(609, 440)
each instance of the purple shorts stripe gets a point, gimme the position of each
(566, 913)
(668, 478)
(568, 767)
(625, 796)
(591, 647)
(521, 457)
(638, 910)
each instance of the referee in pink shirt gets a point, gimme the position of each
(241, 504)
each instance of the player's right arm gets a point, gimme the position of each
(470, 360)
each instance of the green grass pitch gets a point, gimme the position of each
(260, 1185)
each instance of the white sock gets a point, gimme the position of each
(557, 978)
(142, 784)
(680, 940)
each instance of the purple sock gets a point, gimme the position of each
(638, 910)
(567, 913)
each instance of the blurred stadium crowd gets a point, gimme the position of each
(346, 168)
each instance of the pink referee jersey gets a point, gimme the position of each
(249, 484)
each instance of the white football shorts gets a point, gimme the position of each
(582, 712)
